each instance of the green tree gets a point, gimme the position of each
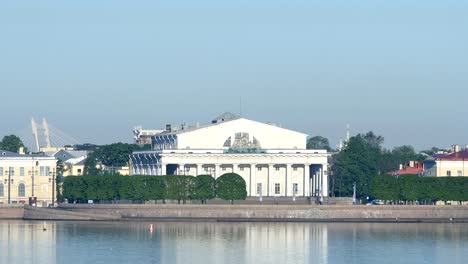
(391, 160)
(318, 142)
(204, 188)
(385, 187)
(410, 187)
(231, 186)
(113, 155)
(59, 180)
(357, 163)
(11, 143)
(179, 187)
(155, 188)
(74, 188)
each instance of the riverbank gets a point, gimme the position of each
(240, 213)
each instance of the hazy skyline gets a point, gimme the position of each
(96, 69)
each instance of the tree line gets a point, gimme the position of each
(362, 158)
(229, 186)
(414, 188)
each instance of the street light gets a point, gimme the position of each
(354, 193)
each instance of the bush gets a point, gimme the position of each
(204, 188)
(413, 188)
(231, 186)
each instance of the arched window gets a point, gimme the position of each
(21, 190)
(1, 189)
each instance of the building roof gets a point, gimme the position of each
(408, 170)
(65, 155)
(461, 155)
(222, 119)
(9, 154)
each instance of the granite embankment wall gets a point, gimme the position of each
(11, 212)
(273, 213)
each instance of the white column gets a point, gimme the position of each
(217, 172)
(199, 169)
(286, 182)
(163, 169)
(306, 180)
(319, 178)
(325, 180)
(253, 180)
(181, 169)
(270, 172)
(235, 168)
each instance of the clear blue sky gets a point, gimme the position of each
(97, 68)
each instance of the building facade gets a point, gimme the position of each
(25, 176)
(447, 165)
(272, 160)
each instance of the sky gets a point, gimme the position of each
(95, 69)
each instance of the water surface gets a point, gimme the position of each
(129, 242)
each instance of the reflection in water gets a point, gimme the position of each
(27, 242)
(121, 242)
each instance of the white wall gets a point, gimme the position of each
(269, 136)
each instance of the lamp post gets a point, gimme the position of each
(354, 193)
(9, 172)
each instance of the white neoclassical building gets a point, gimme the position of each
(273, 161)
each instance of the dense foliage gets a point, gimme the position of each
(231, 186)
(414, 188)
(145, 188)
(11, 143)
(113, 155)
(204, 188)
(318, 142)
(362, 158)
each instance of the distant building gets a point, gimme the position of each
(23, 176)
(272, 160)
(143, 136)
(73, 161)
(411, 167)
(447, 165)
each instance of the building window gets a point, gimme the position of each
(1, 171)
(21, 190)
(277, 188)
(22, 171)
(459, 173)
(11, 171)
(449, 173)
(295, 188)
(259, 188)
(42, 171)
(79, 171)
(1, 189)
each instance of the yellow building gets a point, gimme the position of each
(447, 165)
(73, 161)
(24, 176)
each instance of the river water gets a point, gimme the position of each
(133, 242)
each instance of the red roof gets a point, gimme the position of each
(409, 170)
(461, 155)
